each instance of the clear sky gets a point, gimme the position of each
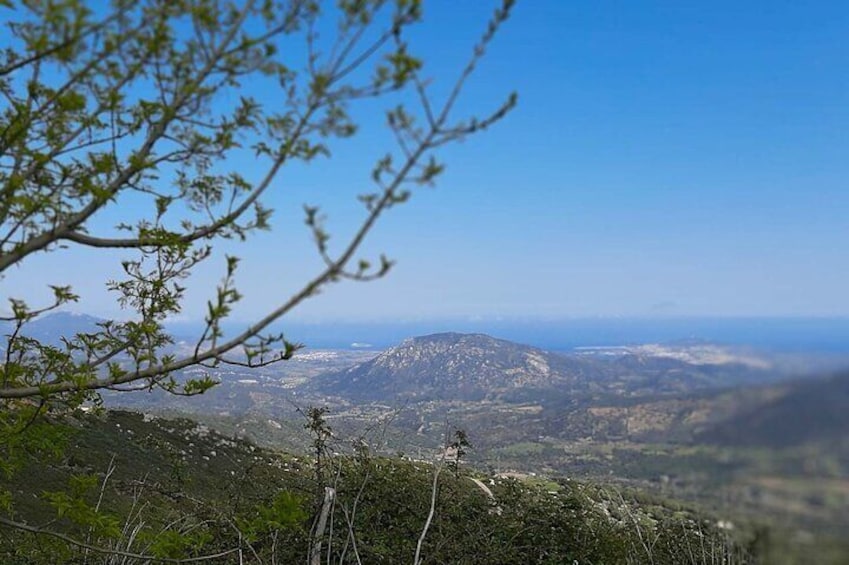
(665, 159)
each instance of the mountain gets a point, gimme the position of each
(454, 366)
(51, 328)
(813, 410)
(473, 367)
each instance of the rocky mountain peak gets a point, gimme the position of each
(449, 365)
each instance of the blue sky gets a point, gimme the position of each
(665, 159)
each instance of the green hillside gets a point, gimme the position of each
(146, 487)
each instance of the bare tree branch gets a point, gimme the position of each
(82, 545)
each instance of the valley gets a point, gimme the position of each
(723, 428)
